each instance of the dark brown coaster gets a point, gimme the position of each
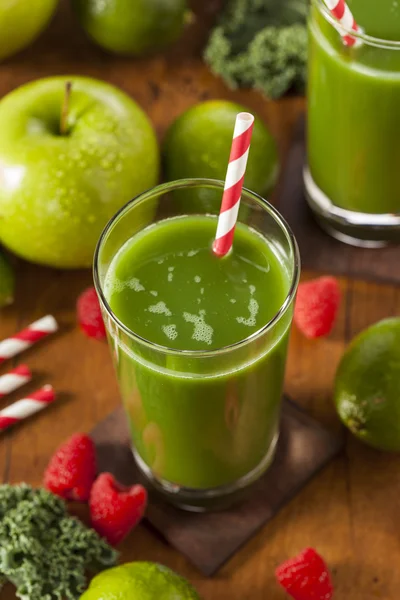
(318, 250)
(209, 539)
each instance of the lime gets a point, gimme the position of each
(133, 27)
(198, 145)
(367, 386)
(6, 282)
(139, 581)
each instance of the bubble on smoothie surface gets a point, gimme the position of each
(202, 331)
(153, 293)
(113, 286)
(135, 285)
(170, 331)
(201, 290)
(192, 253)
(253, 310)
(170, 273)
(197, 279)
(252, 289)
(160, 309)
(232, 300)
(160, 262)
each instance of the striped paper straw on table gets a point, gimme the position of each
(340, 10)
(233, 183)
(24, 408)
(14, 379)
(27, 337)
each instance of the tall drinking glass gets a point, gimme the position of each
(204, 423)
(353, 178)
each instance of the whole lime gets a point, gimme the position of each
(59, 188)
(139, 581)
(198, 144)
(7, 282)
(22, 22)
(132, 27)
(367, 386)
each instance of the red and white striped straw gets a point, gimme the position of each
(340, 10)
(14, 379)
(27, 337)
(233, 183)
(24, 408)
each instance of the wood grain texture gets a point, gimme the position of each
(351, 511)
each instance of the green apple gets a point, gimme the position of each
(132, 27)
(21, 22)
(58, 189)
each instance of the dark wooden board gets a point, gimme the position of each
(208, 540)
(318, 250)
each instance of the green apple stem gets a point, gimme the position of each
(65, 108)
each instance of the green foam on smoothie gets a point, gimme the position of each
(167, 286)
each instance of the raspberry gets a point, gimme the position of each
(306, 577)
(115, 509)
(317, 305)
(72, 469)
(89, 314)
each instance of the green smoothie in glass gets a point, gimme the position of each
(201, 375)
(353, 180)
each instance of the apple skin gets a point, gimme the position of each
(57, 192)
(21, 22)
(132, 27)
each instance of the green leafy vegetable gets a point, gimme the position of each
(261, 44)
(44, 551)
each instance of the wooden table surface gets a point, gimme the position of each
(350, 512)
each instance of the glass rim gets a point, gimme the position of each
(369, 40)
(181, 184)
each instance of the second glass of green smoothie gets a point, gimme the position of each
(199, 342)
(353, 179)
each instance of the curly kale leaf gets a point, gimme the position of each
(45, 552)
(261, 44)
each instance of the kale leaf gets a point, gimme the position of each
(44, 551)
(261, 44)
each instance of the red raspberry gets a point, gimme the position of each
(89, 314)
(317, 305)
(72, 469)
(115, 509)
(306, 577)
